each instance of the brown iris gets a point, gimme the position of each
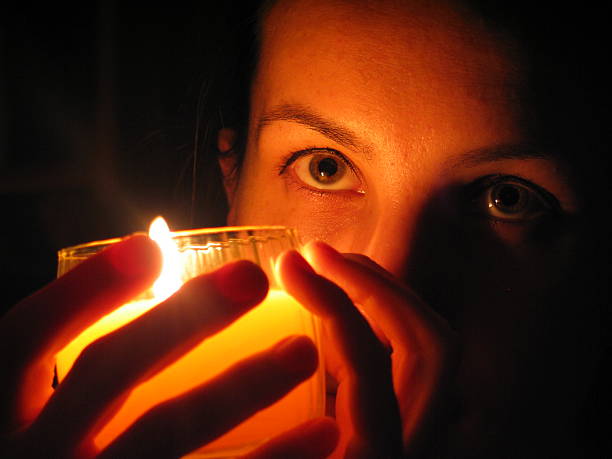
(325, 169)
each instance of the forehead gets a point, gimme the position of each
(437, 39)
(385, 60)
(384, 31)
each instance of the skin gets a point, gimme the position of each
(40, 422)
(436, 306)
(426, 117)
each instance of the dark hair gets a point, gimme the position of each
(224, 102)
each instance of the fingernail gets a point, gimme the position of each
(293, 257)
(297, 355)
(241, 282)
(300, 261)
(321, 247)
(135, 256)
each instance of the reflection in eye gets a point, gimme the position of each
(512, 199)
(323, 169)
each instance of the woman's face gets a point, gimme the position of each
(395, 132)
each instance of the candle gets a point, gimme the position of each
(185, 255)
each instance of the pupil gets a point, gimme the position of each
(327, 167)
(508, 197)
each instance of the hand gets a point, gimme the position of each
(390, 354)
(40, 422)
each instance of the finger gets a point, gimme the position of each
(185, 423)
(423, 344)
(366, 379)
(314, 439)
(328, 301)
(94, 288)
(367, 261)
(379, 296)
(62, 310)
(119, 361)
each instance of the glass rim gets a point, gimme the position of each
(180, 234)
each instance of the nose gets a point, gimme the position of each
(387, 235)
(420, 243)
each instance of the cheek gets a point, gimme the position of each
(334, 226)
(337, 228)
(266, 199)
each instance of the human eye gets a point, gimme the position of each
(507, 198)
(322, 169)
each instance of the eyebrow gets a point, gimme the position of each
(307, 117)
(474, 158)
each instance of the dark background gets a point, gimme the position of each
(98, 110)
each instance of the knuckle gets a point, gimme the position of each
(94, 352)
(99, 358)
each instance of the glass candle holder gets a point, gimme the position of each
(195, 252)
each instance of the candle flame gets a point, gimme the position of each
(169, 280)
